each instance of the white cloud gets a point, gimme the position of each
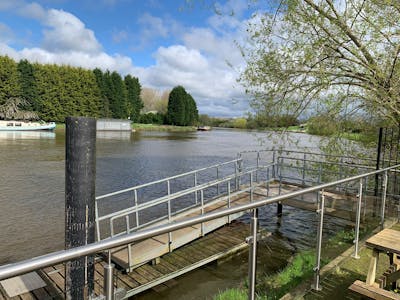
(198, 62)
(153, 26)
(213, 87)
(33, 11)
(68, 33)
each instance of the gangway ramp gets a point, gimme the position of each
(232, 186)
(137, 254)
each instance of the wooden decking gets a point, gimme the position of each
(218, 244)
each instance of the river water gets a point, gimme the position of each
(32, 192)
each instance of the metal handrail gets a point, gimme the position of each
(308, 153)
(166, 179)
(99, 218)
(32, 264)
(180, 194)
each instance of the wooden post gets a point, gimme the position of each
(80, 174)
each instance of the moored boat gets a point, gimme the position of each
(14, 125)
(203, 128)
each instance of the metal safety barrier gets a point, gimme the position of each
(36, 263)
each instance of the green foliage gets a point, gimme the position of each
(176, 106)
(339, 54)
(27, 83)
(117, 96)
(104, 93)
(9, 83)
(151, 118)
(275, 286)
(182, 109)
(55, 92)
(66, 91)
(240, 123)
(232, 294)
(322, 125)
(268, 120)
(134, 102)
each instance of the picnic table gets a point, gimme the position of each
(386, 241)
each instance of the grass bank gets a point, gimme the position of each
(157, 127)
(298, 270)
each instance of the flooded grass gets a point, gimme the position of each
(300, 269)
(232, 294)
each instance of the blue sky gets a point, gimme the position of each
(164, 43)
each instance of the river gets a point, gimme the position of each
(32, 191)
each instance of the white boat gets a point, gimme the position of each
(13, 125)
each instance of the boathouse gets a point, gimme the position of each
(113, 125)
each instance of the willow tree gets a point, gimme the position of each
(341, 53)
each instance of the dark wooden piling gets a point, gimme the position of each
(80, 174)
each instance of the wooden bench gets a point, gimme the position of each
(372, 292)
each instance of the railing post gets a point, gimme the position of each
(251, 187)
(274, 164)
(340, 171)
(136, 206)
(258, 165)
(253, 255)
(80, 176)
(279, 204)
(128, 230)
(280, 167)
(384, 191)
(195, 185)
(316, 286)
(202, 211)
(358, 217)
(236, 176)
(229, 199)
(169, 215)
(240, 166)
(303, 179)
(267, 183)
(109, 278)
(217, 183)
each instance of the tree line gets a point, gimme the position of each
(55, 92)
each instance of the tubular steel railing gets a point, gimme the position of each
(137, 206)
(123, 240)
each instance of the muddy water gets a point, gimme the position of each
(32, 194)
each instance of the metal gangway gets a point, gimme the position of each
(212, 188)
(252, 175)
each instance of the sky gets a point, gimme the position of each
(164, 43)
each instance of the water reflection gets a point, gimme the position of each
(114, 135)
(26, 135)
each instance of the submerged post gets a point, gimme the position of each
(80, 174)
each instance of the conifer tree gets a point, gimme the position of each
(134, 101)
(117, 96)
(28, 85)
(176, 106)
(9, 84)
